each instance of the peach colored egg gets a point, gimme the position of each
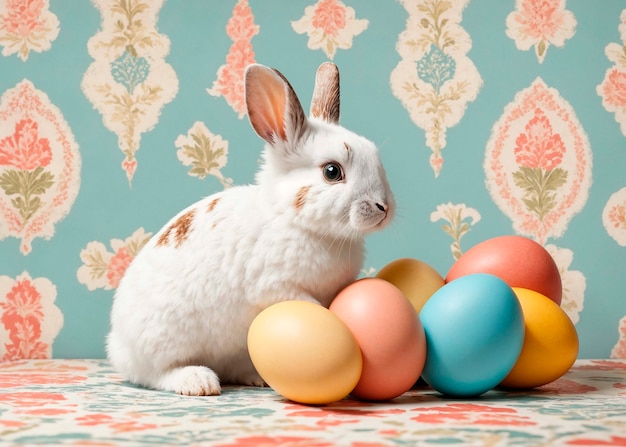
(517, 260)
(304, 352)
(389, 333)
(416, 279)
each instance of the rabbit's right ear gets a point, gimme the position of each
(274, 110)
(325, 102)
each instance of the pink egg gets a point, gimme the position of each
(389, 333)
(517, 260)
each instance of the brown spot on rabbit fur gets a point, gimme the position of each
(301, 197)
(212, 205)
(180, 228)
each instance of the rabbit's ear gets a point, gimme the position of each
(273, 107)
(325, 102)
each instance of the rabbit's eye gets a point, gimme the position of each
(332, 172)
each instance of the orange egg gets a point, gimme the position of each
(389, 333)
(550, 342)
(416, 279)
(517, 260)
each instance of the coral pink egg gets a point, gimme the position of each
(389, 333)
(517, 260)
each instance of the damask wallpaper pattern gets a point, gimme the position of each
(526, 99)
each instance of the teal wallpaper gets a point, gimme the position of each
(492, 117)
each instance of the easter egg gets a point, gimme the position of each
(519, 261)
(389, 334)
(416, 279)
(474, 333)
(550, 344)
(304, 352)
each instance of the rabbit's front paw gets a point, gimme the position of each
(192, 381)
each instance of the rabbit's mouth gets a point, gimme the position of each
(369, 216)
(384, 220)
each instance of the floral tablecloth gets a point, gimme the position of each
(85, 402)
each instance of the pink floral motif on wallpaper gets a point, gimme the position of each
(538, 163)
(619, 350)
(614, 216)
(103, 269)
(29, 155)
(229, 83)
(539, 24)
(39, 165)
(25, 26)
(330, 25)
(539, 153)
(612, 89)
(435, 80)
(129, 81)
(29, 319)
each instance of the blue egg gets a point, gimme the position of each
(474, 329)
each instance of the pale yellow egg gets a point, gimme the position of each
(304, 352)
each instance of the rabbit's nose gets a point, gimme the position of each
(382, 206)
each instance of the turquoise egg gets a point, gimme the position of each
(474, 329)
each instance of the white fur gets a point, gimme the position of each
(182, 311)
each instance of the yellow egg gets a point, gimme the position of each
(550, 342)
(304, 352)
(416, 279)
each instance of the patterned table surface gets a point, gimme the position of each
(85, 402)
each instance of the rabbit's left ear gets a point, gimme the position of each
(325, 102)
(273, 107)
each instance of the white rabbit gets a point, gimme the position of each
(181, 313)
